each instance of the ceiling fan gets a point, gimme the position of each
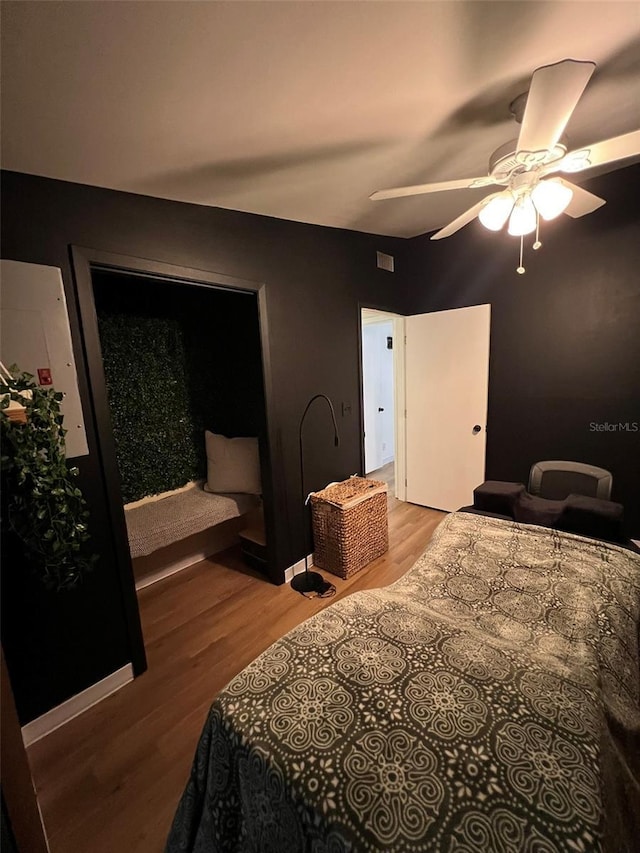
(527, 167)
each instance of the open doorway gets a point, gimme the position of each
(382, 359)
(183, 373)
(88, 266)
(439, 366)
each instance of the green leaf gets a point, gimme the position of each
(45, 508)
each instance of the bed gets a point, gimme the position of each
(487, 701)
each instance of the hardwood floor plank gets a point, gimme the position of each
(109, 780)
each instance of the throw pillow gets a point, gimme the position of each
(233, 464)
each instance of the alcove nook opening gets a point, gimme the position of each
(183, 362)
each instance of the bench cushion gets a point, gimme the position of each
(160, 522)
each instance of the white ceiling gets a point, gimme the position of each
(298, 109)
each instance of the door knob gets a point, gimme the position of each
(476, 429)
(380, 410)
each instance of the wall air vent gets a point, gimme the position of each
(384, 262)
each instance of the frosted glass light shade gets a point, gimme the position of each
(523, 217)
(551, 198)
(496, 212)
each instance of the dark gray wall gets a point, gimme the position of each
(315, 278)
(565, 336)
(565, 353)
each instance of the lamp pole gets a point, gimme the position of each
(310, 581)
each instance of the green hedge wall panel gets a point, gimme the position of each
(153, 422)
(178, 360)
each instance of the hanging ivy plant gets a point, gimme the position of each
(44, 506)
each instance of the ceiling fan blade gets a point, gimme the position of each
(419, 189)
(463, 219)
(583, 202)
(554, 92)
(607, 151)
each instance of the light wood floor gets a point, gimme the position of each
(386, 474)
(109, 781)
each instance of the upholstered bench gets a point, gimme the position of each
(170, 532)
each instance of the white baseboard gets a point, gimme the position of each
(297, 568)
(636, 542)
(74, 706)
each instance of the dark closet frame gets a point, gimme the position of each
(84, 262)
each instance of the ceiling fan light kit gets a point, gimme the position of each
(551, 198)
(523, 166)
(523, 217)
(496, 212)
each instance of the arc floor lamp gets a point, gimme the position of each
(311, 581)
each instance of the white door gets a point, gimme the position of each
(378, 394)
(447, 379)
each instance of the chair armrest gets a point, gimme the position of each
(497, 496)
(593, 517)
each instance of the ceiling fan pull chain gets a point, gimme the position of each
(520, 269)
(537, 243)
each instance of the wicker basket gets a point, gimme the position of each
(349, 525)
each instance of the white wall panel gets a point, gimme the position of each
(35, 335)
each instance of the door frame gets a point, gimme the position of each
(19, 795)
(368, 314)
(83, 262)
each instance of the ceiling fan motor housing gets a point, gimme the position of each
(505, 160)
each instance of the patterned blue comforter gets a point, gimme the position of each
(487, 701)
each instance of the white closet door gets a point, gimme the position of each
(378, 395)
